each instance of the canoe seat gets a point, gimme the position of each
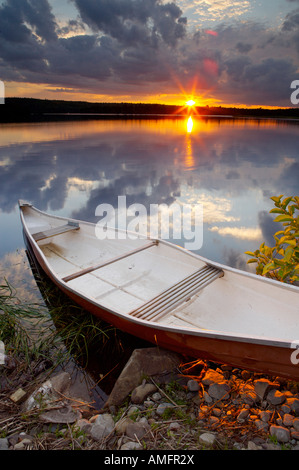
(175, 295)
(70, 226)
(95, 267)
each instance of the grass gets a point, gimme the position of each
(57, 329)
(19, 324)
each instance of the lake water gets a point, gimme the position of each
(231, 167)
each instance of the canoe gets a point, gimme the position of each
(169, 296)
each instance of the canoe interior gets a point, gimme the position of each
(234, 303)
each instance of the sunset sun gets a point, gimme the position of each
(190, 103)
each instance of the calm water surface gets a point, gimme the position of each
(231, 167)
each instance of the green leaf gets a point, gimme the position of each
(291, 242)
(277, 211)
(288, 254)
(252, 260)
(250, 253)
(283, 218)
(276, 198)
(268, 267)
(286, 201)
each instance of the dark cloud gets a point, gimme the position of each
(291, 21)
(134, 21)
(127, 46)
(243, 48)
(36, 13)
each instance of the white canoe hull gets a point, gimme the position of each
(169, 296)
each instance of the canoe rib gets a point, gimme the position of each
(106, 263)
(171, 298)
(70, 226)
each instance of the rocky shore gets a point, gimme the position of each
(158, 403)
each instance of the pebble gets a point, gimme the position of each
(294, 405)
(131, 446)
(174, 426)
(163, 407)
(141, 392)
(224, 399)
(4, 445)
(207, 439)
(219, 391)
(282, 434)
(288, 420)
(102, 426)
(242, 415)
(275, 397)
(265, 416)
(193, 386)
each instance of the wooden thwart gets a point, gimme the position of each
(70, 226)
(106, 263)
(172, 297)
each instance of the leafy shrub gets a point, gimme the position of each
(281, 262)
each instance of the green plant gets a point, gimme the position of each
(281, 262)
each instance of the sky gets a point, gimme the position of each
(217, 52)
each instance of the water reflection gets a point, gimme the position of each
(230, 166)
(189, 125)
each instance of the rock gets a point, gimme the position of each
(288, 420)
(253, 446)
(282, 434)
(4, 444)
(131, 446)
(207, 398)
(156, 396)
(143, 362)
(296, 424)
(137, 430)
(83, 425)
(60, 383)
(64, 414)
(141, 392)
(102, 427)
(207, 439)
(174, 426)
(262, 387)
(192, 385)
(261, 425)
(294, 405)
(217, 412)
(162, 407)
(133, 410)
(265, 416)
(23, 444)
(211, 376)
(121, 425)
(242, 415)
(285, 409)
(18, 395)
(250, 397)
(219, 391)
(49, 391)
(213, 420)
(275, 397)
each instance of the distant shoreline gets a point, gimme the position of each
(18, 110)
